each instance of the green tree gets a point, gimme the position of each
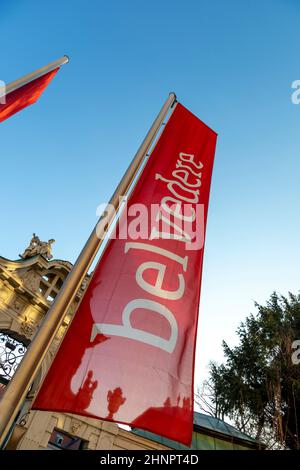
(258, 385)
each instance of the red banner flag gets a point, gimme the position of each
(129, 353)
(24, 96)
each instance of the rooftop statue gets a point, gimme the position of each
(37, 247)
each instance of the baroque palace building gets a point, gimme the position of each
(28, 286)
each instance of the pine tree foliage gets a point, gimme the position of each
(258, 385)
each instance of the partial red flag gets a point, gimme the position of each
(129, 353)
(25, 95)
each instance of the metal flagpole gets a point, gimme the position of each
(36, 74)
(18, 387)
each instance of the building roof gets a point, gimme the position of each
(209, 426)
(218, 425)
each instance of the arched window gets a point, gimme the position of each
(51, 284)
(12, 350)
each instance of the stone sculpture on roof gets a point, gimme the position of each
(37, 247)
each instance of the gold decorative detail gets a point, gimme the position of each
(28, 327)
(4, 293)
(75, 425)
(67, 319)
(17, 305)
(84, 283)
(67, 264)
(31, 280)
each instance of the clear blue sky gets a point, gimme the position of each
(231, 63)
